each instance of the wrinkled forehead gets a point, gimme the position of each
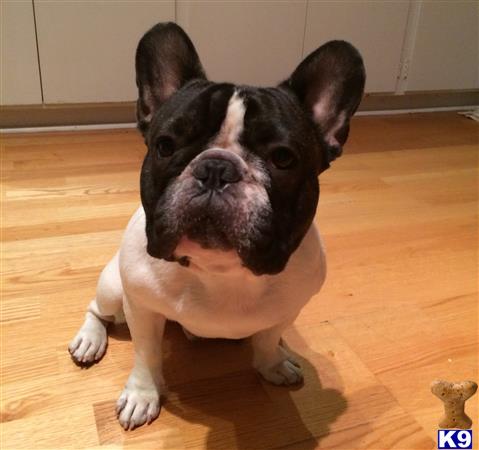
(230, 113)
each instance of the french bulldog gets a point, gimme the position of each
(224, 242)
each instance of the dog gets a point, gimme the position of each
(224, 242)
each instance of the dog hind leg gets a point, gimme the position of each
(89, 344)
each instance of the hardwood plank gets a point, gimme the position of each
(398, 214)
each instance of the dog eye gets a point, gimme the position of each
(165, 146)
(283, 158)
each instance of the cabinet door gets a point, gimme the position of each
(87, 48)
(19, 67)
(446, 53)
(248, 42)
(375, 28)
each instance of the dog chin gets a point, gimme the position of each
(195, 255)
(208, 219)
(215, 223)
(210, 232)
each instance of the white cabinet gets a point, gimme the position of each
(248, 42)
(82, 51)
(376, 28)
(20, 76)
(446, 51)
(87, 48)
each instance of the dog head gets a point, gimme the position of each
(235, 168)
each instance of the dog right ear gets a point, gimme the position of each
(166, 60)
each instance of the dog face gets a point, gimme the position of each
(235, 168)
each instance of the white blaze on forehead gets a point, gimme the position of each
(228, 139)
(232, 126)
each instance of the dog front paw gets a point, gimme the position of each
(137, 406)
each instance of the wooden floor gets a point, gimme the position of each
(398, 213)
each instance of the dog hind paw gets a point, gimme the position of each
(89, 345)
(286, 373)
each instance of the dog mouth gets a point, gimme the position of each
(208, 218)
(235, 217)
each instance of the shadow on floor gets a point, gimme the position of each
(211, 384)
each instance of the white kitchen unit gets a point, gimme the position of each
(74, 52)
(249, 42)
(19, 62)
(87, 48)
(446, 47)
(376, 28)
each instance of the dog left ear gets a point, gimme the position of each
(330, 85)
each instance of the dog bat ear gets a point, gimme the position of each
(330, 85)
(165, 60)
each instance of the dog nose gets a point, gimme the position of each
(215, 173)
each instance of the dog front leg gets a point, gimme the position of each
(272, 360)
(140, 400)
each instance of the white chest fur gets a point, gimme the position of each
(215, 296)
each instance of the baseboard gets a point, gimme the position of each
(419, 100)
(67, 114)
(124, 112)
